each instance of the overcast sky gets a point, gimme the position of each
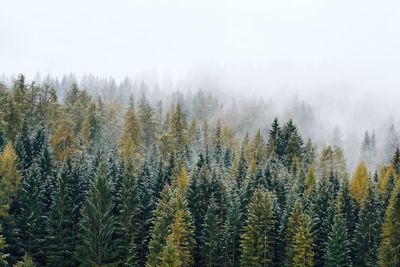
(121, 37)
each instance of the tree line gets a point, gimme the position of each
(88, 182)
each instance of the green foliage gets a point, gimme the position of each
(390, 236)
(258, 239)
(98, 224)
(338, 246)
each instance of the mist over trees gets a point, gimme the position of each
(103, 173)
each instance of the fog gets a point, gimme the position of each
(341, 58)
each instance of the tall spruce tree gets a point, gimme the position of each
(258, 239)
(390, 235)
(338, 246)
(98, 223)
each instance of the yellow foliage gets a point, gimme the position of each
(64, 141)
(385, 175)
(310, 181)
(359, 183)
(182, 180)
(10, 179)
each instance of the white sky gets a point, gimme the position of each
(122, 37)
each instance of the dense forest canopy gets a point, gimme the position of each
(104, 174)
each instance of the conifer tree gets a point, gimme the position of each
(92, 126)
(338, 246)
(258, 240)
(292, 228)
(97, 224)
(26, 261)
(211, 237)
(302, 245)
(64, 141)
(3, 140)
(130, 138)
(64, 216)
(170, 254)
(182, 238)
(359, 183)
(3, 245)
(396, 160)
(30, 215)
(366, 238)
(232, 230)
(10, 179)
(273, 145)
(146, 117)
(390, 235)
(323, 211)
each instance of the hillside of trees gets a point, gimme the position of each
(90, 179)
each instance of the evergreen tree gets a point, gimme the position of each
(3, 140)
(232, 230)
(97, 224)
(170, 254)
(3, 245)
(359, 183)
(130, 138)
(26, 261)
(211, 237)
(10, 179)
(390, 236)
(64, 216)
(92, 126)
(181, 237)
(338, 246)
(323, 211)
(30, 215)
(396, 161)
(146, 117)
(258, 240)
(302, 244)
(366, 238)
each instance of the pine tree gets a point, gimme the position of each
(64, 216)
(396, 160)
(92, 126)
(211, 243)
(146, 117)
(345, 205)
(3, 245)
(390, 236)
(3, 140)
(181, 237)
(366, 238)
(322, 212)
(130, 138)
(173, 200)
(26, 261)
(23, 148)
(97, 224)
(30, 215)
(302, 244)
(273, 145)
(359, 183)
(10, 179)
(170, 254)
(64, 141)
(292, 228)
(177, 131)
(258, 240)
(338, 246)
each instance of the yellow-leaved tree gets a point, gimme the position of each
(10, 179)
(359, 183)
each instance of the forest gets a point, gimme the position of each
(93, 176)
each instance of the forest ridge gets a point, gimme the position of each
(103, 181)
